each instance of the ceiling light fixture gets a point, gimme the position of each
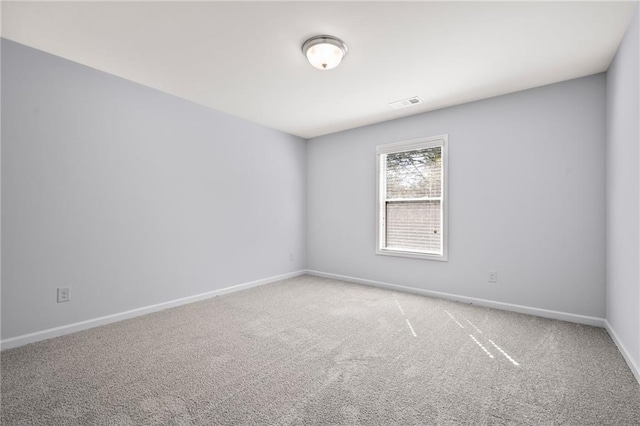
(324, 52)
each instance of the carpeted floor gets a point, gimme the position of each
(315, 351)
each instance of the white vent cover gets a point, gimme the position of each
(406, 103)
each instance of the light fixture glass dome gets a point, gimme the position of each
(324, 52)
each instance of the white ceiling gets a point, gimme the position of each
(244, 58)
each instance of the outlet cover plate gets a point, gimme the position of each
(64, 294)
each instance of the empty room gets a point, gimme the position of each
(320, 213)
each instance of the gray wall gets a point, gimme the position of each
(0, 175)
(623, 192)
(527, 193)
(133, 197)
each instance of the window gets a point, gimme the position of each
(412, 201)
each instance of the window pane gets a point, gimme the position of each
(415, 174)
(414, 225)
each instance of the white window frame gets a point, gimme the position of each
(411, 145)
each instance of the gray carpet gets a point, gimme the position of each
(315, 351)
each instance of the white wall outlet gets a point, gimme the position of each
(493, 277)
(64, 294)
(291, 257)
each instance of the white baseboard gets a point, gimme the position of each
(633, 366)
(545, 313)
(14, 342)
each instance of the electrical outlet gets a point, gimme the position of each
(493, 277)
(64, 294)
(291, 257)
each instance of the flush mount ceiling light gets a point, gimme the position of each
(324, 51)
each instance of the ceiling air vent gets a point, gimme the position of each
(406, 103)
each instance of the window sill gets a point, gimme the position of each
(412, 254)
